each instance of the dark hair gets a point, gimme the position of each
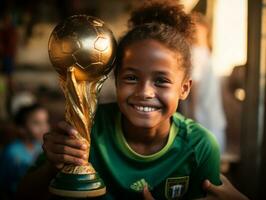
(23, 113)
(163, 21)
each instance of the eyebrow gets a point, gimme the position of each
(131, 69)
(161, 72)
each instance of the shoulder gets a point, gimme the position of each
(197, 137)
(105, 115)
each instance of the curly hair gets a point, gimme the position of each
(164, 21)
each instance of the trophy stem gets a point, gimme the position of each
(81, 101)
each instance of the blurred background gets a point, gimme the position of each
(235, 41)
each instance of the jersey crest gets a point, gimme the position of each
(176, 187)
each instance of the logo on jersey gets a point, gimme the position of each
(139, 185)
(176, 187)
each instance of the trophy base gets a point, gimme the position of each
(78, 194)
(77, 185)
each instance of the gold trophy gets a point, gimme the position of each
(82, 51)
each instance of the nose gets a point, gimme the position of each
(145, 91)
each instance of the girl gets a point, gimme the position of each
(141, 141)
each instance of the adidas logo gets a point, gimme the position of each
(139, 185)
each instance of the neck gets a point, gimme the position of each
(146, 141)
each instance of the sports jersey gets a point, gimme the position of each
(177, 171)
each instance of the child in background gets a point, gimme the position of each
(19, 155)
(141, 140)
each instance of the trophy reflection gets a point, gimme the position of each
(82, 51)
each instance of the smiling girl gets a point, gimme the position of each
(141, 140)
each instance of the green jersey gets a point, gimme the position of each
(177, 171)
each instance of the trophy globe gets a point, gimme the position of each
(85, 42)
(82, 51)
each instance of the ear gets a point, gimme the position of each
(185, 89)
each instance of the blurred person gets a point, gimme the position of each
(22, 99)
(206, 101)
(19, 155)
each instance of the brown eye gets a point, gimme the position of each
(131, 78)
(161, 81)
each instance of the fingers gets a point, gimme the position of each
(64, 147)
(224, 180)
(209, 187)
(206, 185)
(56, 138)
(223, 192)
(147, 194)
(61, 159)
(66, 129)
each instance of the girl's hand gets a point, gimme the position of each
(226, 191)
(62, 146)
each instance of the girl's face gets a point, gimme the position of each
(37, 123)
(150, 83)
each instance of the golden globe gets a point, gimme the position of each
(84, 42)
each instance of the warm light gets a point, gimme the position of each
(87, 43)
(229, 35)
(101, 44)
(189, 4)
(240, 94)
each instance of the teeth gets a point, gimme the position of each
(145, 108)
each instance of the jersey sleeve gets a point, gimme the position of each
(207, 157)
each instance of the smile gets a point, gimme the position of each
(145, 108)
